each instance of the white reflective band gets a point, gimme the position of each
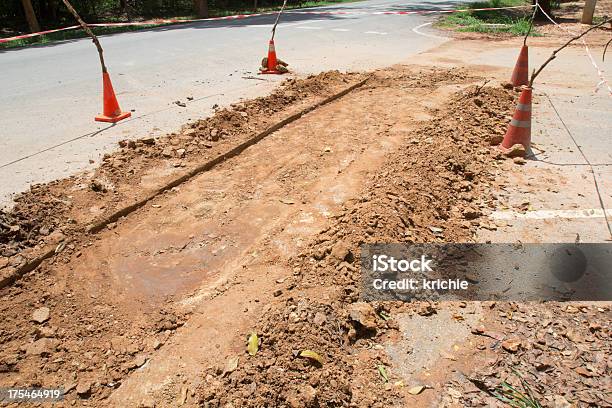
(520, 123)
(523, 107)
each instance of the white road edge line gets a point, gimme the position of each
(550, 214)
(416, 31)
(309, 28)
(375, 32)
(340, 29)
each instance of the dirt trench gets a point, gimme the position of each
(140, 311)
(155, 310)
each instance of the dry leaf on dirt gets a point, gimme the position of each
(253, 344)
(312, 355)
(231, 365)
(383, 372)
(416, 390)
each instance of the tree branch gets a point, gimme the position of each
(603, 56)
(89, 32)
(278, 18)
(555, 52)
(535, 10)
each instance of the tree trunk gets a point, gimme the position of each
(588, 11)
(200, 7)
(30, 16)
(122, 5)
(255, 5)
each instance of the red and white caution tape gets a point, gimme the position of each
(135, 23)
(20, 37)
(241, 16)
(600, 73)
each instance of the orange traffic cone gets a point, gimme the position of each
(520, 75)
(112, 111)
(519, 129)
(272, 61)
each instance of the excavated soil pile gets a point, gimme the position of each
(70, 205)
(427, 191)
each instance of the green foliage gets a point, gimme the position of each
(53, 13)
(93, 11)
(524, 398)
(515, 21)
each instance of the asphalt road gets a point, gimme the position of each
(50, 94)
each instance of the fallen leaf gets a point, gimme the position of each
(583, 372)
(312, 355)
(231, 365)
(253, 344)
(383, 315)
(383, 372)
(416, 390)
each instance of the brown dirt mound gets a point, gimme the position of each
(419, 197)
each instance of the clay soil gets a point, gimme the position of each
(155, 309)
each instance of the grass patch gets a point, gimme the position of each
(78, 33)
(514, 21)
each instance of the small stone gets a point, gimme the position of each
(471, 213)
(277, 292)
(511, 345)
(319, 318)
(147, 402)
(45, 331)
(519, 160)
(363, 313)
(42, 347)
(3, 262)
(167, 152)
(83, 389)
(180, 153)
(341, 251)
(214, 135)
(98, 186)
(41, 315)
(436, 230)
(496, 140)
(517, 150)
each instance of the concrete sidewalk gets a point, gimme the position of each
(564, 197)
